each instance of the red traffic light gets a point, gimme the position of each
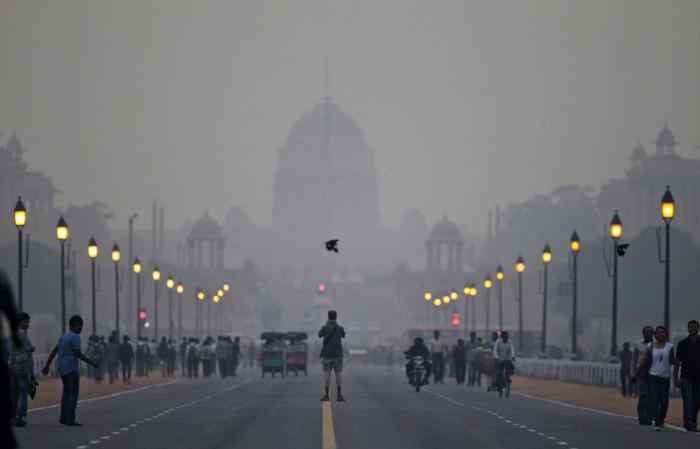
(321, 288)
(455, 319)
(142, 315)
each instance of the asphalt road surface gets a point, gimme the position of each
(382, 411)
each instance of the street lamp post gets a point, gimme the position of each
(474, 292)
(487, 285)
(137, 271)
(93, 252)
(129, 280)
(180, 290)
(520, 269)
(116, 257)
(20, 221)
(615, 234)
(668, 210)
(467, 295)
(198, 313)
(170, 283)
(156, 277)
(500, 275)
(575, 246)
(62, 236)
(546, 260)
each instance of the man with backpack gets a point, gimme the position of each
(332, 353)
(21, 363)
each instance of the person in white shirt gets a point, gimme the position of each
(640, 348)
(503, 351)
(438, 350)
(662, 357)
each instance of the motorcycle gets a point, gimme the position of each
(418, 368)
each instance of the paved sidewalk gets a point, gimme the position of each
(50, 389)
(602, 398)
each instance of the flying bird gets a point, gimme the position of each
(622, 249)
(332, 245)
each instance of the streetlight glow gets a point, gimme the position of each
(62, 230)
(668, 205)
(180, 288)
(137, 266)
(520, 264)
(220, 293)
(575, 243)
(170, 282)
(216, 299)
(227, 287)
(20, 214)
(428, 296)
(156, 274)
(487, 282)
(116, 253)
(200, 296)
(437, 302)
(93, 251)
(500, 275)
(546, 255)
(616, 227)
(454, 295)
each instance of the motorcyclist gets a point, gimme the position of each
(503, 351)
(418, 349)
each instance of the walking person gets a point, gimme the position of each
(438, 350)
(223, 355)
(126, 358)
(235, 355)
(625, 357)
(642, 382)
(21, 363)
(332, 354)
(459, 361)
(688, 361)
(7, 308)
(68, 351)
(112, 358)
(471, 358)
(162, 354)
(183, 356)
(662, 357)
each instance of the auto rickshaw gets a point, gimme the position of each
(272, 355)
(297, 352)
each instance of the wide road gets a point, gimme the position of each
(381, 412)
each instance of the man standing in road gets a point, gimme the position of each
(21, 363)
(625, 357)
(643, 405)
(332, 354)
(68, 350)
(438, 350)
(688, 360)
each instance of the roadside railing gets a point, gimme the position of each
(590, 373)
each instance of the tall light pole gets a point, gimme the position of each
(487, 285)
(129, 280)
(20, 221)
(116, 257)
(575, 246)
(137, 268)
(546, 260)
(93, 252)
(668, 210)
(170, 283)
(62, 236)
(474, 292)
(426, 316)
(180, 290)
(156, 277)
(615, 234)
(500, 275)
(198, 312)
(520, 269)
(467, 294)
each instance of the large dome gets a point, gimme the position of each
(445, 231)
(206, 227)
(310, 128)
(665, 136)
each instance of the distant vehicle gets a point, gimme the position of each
(272, 353)
(297, 352)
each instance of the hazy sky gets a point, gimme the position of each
(467, 104)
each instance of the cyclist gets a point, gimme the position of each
(504, 355)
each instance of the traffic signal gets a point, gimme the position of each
(455, 319)
(142, 315)
(321, 288)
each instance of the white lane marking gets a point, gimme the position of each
(109, 396)
(124, 429)
(444, 397)
(509, 421)
(588, 409)
(115, 433)
(562, 443)
(541, 434)
(133, 425)
(551, 438)
(531, 430)
(95, 442)
(81, 447)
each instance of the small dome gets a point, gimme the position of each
(445, 231)
(639, 153)
(206, 227)
(665, 136)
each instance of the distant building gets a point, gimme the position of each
(637, 197)
(37, 193)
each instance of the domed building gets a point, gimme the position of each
(325, 186)
(205, 235)
(445, 247)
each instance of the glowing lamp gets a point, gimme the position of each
(668, 206)
(116, 253)
(93, 251)
(20, 214)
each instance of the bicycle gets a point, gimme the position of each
(504, 381)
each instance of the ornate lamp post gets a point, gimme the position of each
(500, 275)
(93, 252)
(116, 257)
(180, 290)
(520, 269)
(668, 211)
(615, 234)
(546, 260)
(170, 283)
(575, 246)
(474, 292)
(21, 221)
(156, 277)
(62, 236)
(137, 268)
(487, 285)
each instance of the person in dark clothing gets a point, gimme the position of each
(418, 349)
(162, 355)
(688, 361)
(235, 355)
(332, 354)
(183, 356)
(7, 308)
(459, 360)
(126, 357)
(625, 357)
